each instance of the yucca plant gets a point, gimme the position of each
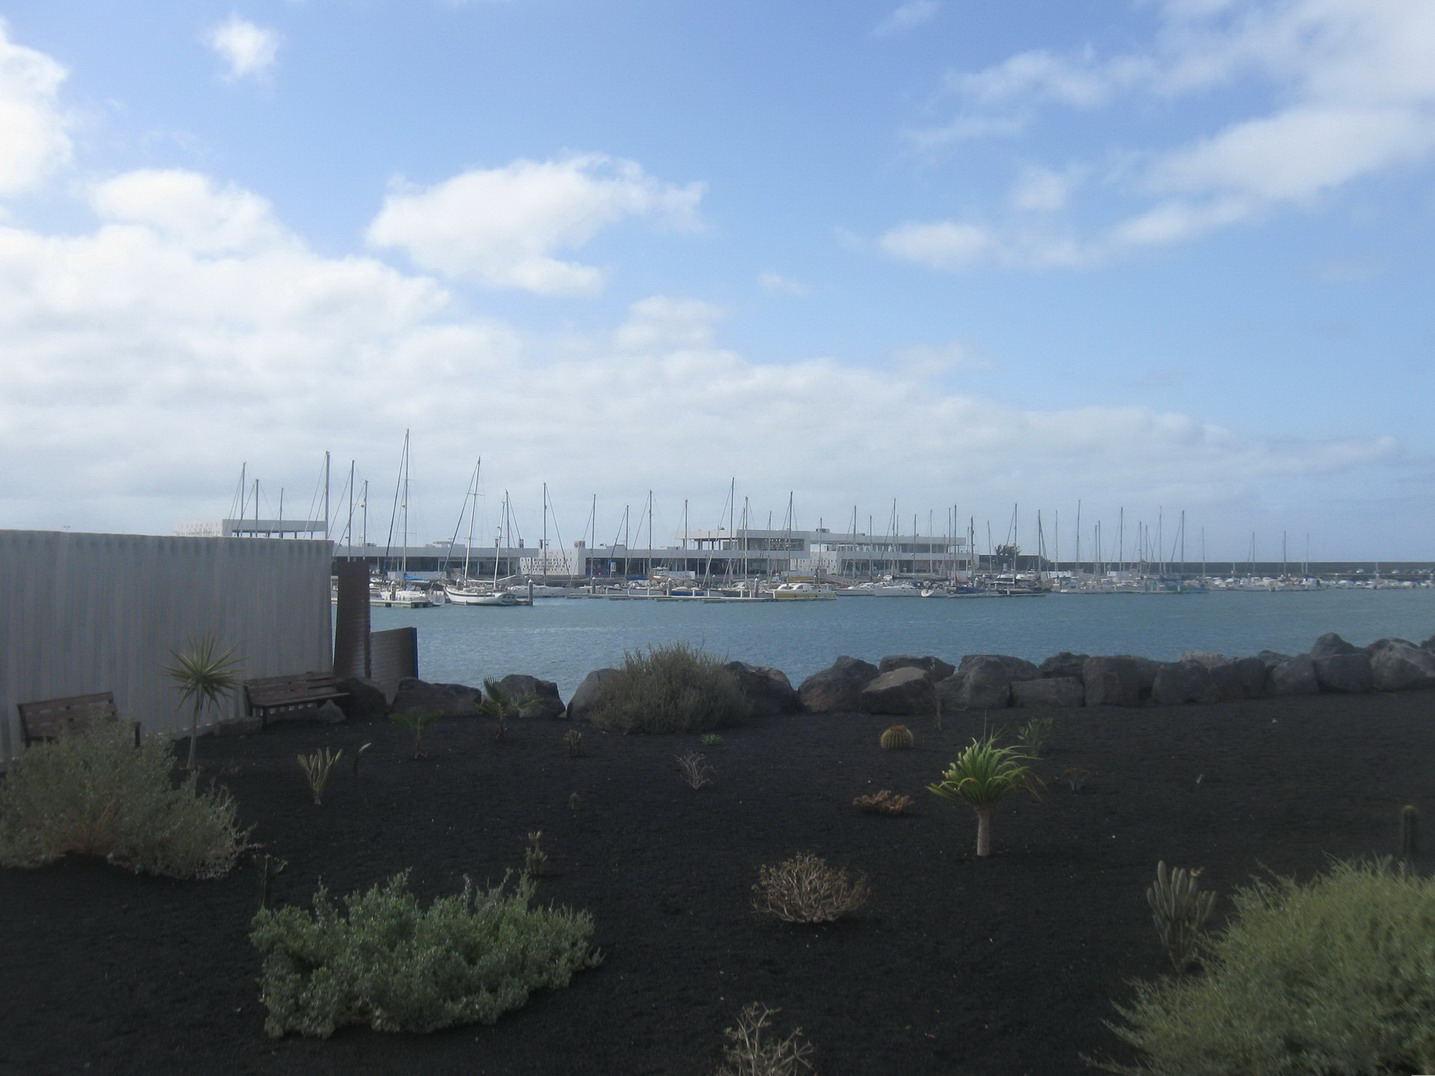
(317, 768)
(204, 677)
(982, 776)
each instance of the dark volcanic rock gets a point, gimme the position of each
(1012, 668)
(1112, 681)
(542, 695)
(1180, 682)
(1292, 676)
(1240, 678)
(1397, 665)
(984, 682)
(905, 690)
(1330, 644)
(769, 692)
(935, 668)
(1064, 664)
(1056, 691)
(364, 699)
(838, 687)
(1345, 673)
(586, 694)
(448, 700)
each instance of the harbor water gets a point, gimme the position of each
(564, 639)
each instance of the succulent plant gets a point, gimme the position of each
(897, 738)
(883, 802)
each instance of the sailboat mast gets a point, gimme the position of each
(349, 529)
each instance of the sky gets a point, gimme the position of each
(1051, 269)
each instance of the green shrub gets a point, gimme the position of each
(95, 793)
(386, 962)
(1333, 976)
(672, 688)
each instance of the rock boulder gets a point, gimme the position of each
(447, 700)
(768, 691)
(837, 688)
(1064, 664)
(1397, 665)
(1112, 681)
(1179, 682)
(904, 690)
(541, 695)
(585, 697)
(1052, 691)
(1344, 673)
(935, 668)
(1292, 676)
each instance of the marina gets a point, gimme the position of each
(563, 640)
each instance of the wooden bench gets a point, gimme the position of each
(297, 691)
(49, 718)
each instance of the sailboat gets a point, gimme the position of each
(467, 591)
(397, 594)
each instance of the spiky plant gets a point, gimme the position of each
(897, 738)
(204, 677)
(317, 767)
(982, 776)
(1180, 910)
(418, 720)
(502, 704)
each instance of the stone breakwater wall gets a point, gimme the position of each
(905, 685)
(902, 685)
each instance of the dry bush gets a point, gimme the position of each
(754, 1050)
(884, 801)
(804, 889)
(695, 769)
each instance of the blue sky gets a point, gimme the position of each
(1162, 256)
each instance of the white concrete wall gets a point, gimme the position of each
(81, 613)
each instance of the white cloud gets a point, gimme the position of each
(33, 131)
(1296, 154)
(940, 244)
(180, 344)
(503, 227)
(1345, 90)
(186, 207)
(777, 284)
(1042, 190)
(1038, 76)
(662, 322)
(931, 360)
(248, 50)
(908, 16)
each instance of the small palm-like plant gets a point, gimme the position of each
(502, 704)
(418, 720)
(982, 776)
(204, 677)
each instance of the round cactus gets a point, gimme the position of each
(897, 738)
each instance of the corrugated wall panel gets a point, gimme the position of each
(81, 613)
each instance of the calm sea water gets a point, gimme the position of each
(565, 639)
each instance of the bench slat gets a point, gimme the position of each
(270, 694)
(46, 719)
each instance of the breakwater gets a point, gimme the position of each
(563, 641)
